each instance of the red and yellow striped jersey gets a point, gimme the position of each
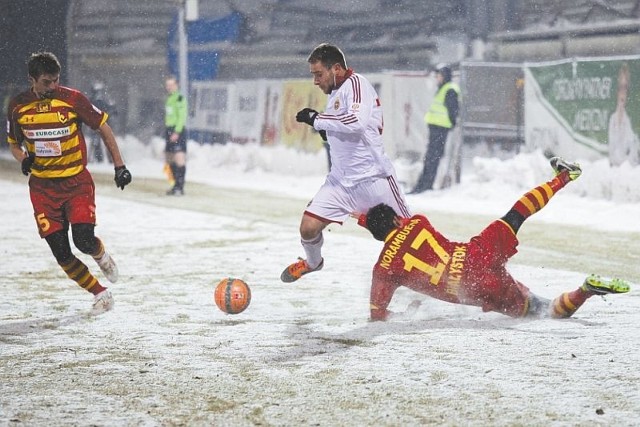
(51, 129)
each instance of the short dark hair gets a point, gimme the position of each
(381, 221)
(43, 63)
(328, 55)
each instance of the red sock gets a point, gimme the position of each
(568, 303)
(536, 199)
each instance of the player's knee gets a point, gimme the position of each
(84, 238)
(514, 219)
(59, 244)
(310, 227)
(309, 232)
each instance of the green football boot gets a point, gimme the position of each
(559, 165)
(600, 286)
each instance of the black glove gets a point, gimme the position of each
(27, 162)
(123, 176)
(323, 135)
(306, 115)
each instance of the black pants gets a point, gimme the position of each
(178, 172)
(435, 150)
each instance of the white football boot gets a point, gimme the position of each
(108, 267)
(102, 302)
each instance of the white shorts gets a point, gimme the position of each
(334, 203)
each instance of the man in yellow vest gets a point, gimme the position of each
(440, 118)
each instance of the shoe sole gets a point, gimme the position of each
(598, 285)
(95, 311)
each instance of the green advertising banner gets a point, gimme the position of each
(596, 102)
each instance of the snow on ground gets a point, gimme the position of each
(304, 353)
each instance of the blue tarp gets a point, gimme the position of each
(203, 65)
(213, 30)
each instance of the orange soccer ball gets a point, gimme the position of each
(232, 295)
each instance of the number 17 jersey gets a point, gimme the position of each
(417, 256)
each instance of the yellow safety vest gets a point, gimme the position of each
(438, 114)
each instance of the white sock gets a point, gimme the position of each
(313, 249)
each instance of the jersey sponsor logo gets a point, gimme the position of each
(43, 107)
(355, 106)
(47, 133)
(336, 104)
(48, 148)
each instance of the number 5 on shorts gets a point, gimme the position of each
(43, 222)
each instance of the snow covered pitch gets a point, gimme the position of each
(305, 353)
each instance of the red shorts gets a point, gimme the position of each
(487, 281)
(58, 202)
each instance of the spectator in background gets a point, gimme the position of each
(361, 174)
(175, 120)
(623, 142)
(441, 118)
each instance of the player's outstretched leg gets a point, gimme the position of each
(569, 302)
(533, 201)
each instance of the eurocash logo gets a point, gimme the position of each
(47, 133)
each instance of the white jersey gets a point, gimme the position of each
(353, 122)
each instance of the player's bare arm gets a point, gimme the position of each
(18, 152)
(109, 139)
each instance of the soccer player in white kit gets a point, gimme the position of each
(361, 174)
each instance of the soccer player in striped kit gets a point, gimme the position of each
(417, 256)
(45, 135)
(361, 174)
